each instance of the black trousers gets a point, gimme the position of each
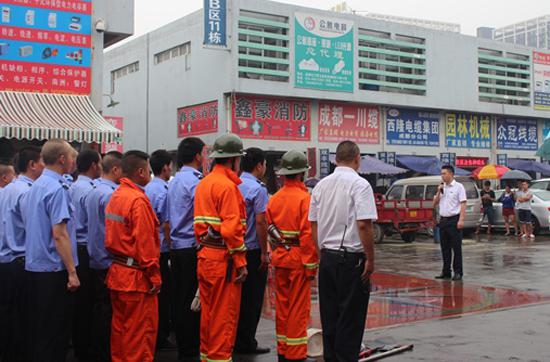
(165, 298)
(252, 299)
(102, 314)
(343, 302)
(50, 316)
(451, 243)
(83, 306)
(13, 311)
(184, 285)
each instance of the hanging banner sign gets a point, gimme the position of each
(324, 164)
(517, 134)
(466, 130)
(406, 127)
(323, 53)
(116, 145)
(46, 46)
(215, 23)
(541, 74)
(353, 122)
(198, 119)
(271, 118)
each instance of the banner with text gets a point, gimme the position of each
(517, 134)
(215, 23)
(541, 74)
(341, 121)
(407, 127)
(198, 119)
(466, 130)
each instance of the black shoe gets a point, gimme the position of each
(443, 276)
(457, 277)
(165, 345)
(257, 350)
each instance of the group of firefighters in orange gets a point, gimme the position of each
(220, 225)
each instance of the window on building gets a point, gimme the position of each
(504, 77)
(122, 72)
(263, 47)
(182, 50)
(392, 62)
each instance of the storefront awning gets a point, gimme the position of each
(429, 165)
(44, 116)
(371, 165)
(528, 165)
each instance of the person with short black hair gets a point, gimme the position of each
(132, 239)
(100, 260)
(183, 245)
(255, 196)
(50, 255)
(342, 213)
(88, 164)
(156, 191)
(523, 203)
(7, 174)
(487, 198)
(12, 256)
(451, 198)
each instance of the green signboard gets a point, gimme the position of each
(323, 53)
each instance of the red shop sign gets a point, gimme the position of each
(116, 145)
(354, 122)
(271, 118)
(471, 161)
(198, 119)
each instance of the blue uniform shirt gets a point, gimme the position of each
(256, 199)
(12, 243)
(181, 200)
(47, 204)
(96, 202)
(78, 193)
(156, 191)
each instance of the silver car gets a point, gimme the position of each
(540, 204)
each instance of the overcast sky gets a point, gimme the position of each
(470, 14)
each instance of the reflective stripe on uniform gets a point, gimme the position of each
(218, 360)
(290, 233)
(296, 341)
(243, 221)
(310, 265)
(281, 338)
(236, 250)
(115, 217)
(208, 220)
(203, 356)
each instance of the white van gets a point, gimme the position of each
(425, 188)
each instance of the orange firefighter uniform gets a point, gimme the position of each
(219, 206)
(132, 239)
(295, 262)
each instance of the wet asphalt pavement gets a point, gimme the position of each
(499, 312)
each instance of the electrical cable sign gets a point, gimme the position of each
(406, 127)
(464, 130)
(323, 55)
(341, 121)
(46, 46)
(517, 134)
(541, 73)
(198, 119)
(271, 118)
(215, 23)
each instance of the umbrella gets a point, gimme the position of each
(490, 172)
(544, 150)
(516, 175)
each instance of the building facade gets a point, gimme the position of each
(533, 33)
(291, 77)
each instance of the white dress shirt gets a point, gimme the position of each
(449, 202)
(337, 202)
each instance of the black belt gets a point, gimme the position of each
(285, 243)
(450, 217)
(343, 253)
(126, 261)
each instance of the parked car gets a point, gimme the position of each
(540, 204)
(542, 184)
(425, 188)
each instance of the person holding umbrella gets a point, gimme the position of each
(508, 201)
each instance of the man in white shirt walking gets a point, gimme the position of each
(341, 214)
(451, 198)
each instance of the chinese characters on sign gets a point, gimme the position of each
(387, 157)
(471, 162)
(324, 164)
(116, 145)
(271, 118)
(406, 127)
(215, 22)
(323, 55)
(448, 158)
(517, 134)
(45, 46)
(502, 159)
(357, 123)
(464, 130)
(541, 73)
(198, 119)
